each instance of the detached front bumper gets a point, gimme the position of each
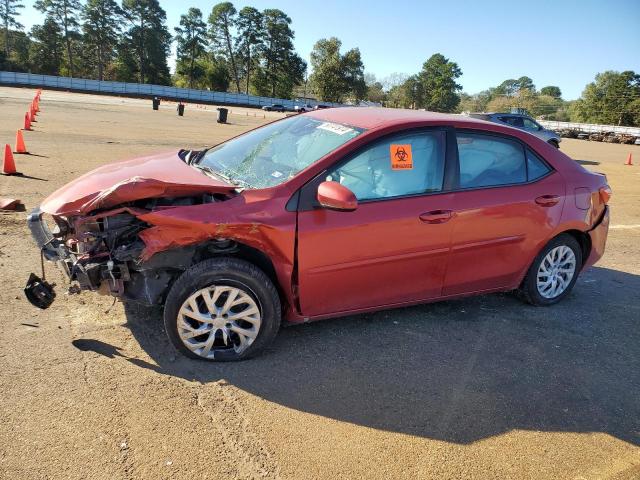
(52, 248)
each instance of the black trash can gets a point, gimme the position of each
(181, 109)
(222, 115)
(156, 103)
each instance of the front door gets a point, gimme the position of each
(393, 248)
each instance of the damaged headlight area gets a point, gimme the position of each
(102, 252)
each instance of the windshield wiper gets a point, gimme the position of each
(214, 173)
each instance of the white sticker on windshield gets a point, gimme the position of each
(276, 174)
(335, 128)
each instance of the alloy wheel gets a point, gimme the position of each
(556, 272)
(218, 317)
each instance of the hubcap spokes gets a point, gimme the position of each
(219, 317)
(556, 272)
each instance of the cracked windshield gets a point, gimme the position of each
(270, 155)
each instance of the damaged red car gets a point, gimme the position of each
(321, 215)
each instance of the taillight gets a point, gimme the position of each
(605, 194)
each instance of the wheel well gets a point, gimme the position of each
(239, 250)
(164, 267)
(584, 240)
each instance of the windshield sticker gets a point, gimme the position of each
(276, 174)
(335, 128)
(401, 158)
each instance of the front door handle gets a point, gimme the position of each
(436, 216)
(548, 200)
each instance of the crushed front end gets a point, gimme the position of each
(102, 252)
(94, 250)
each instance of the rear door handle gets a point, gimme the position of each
(436, 216)
(548, 200)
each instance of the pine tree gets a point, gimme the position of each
(250, 39)
(148, 40)
(65, 14)
(46, 49)
(191, 39)
(8, 14)
(281, 68)
(438, 81)
(221, 21)
(102, 20)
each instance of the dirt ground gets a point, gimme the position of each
(486, 387)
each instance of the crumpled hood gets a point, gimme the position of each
(155, 176)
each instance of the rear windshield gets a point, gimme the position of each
(272, 154)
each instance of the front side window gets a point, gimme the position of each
(403, 164)
(487, 161)
(530, 125)
(513, 121)
(269, 155)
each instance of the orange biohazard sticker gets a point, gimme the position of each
(401, 158)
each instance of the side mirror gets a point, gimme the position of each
(335, 196)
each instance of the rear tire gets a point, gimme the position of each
(230, 330)
(553, 273)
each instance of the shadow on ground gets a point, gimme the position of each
(458, 371)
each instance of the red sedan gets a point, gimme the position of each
(325, 214)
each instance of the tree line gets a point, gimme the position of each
(252, 51)
(613, 98)
(248, 51)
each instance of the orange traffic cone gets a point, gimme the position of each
(20, 146)
(629, 160)
(32, 110)
(27, 121)
(8, 166)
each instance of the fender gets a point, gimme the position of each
(248, 219)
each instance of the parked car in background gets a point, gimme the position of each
(274, 108)
(321, 107)
(523, 122)
(325, 214)
(303, 108)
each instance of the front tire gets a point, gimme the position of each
(222, 309)
(554, 272)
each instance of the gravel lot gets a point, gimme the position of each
(485, 387)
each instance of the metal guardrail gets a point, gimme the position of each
(146, 90)
(589, 127)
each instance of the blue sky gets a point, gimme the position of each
(561, 42)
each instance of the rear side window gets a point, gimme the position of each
(400, 165)
(487, 161)
(536, 167)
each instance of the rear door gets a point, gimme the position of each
(507, 203)
(393, 248)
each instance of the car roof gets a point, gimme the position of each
(377, 117)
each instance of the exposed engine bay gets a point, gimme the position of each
(102, 251)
